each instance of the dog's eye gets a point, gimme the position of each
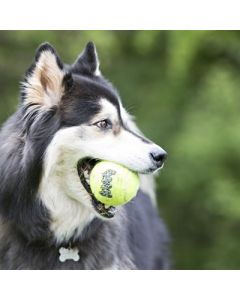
(104, 124)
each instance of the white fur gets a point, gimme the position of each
(97, 72)
(148, 186)
(147, 181)
(59, 181)
(61, 189)
(44, 85)
(123, 148)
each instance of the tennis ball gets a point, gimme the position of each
(113, 184)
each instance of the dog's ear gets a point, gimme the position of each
(45, 81)
(87, 63)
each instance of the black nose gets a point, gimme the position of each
(158, 157)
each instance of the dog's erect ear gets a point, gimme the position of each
(45, 81)
(87, 63)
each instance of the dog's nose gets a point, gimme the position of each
(158, 157)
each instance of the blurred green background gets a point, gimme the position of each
(184, 89)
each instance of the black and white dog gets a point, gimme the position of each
(70, 117)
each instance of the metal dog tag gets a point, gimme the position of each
(68, 254)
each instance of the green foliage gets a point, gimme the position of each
(184, 88)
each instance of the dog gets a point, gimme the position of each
(70, 117)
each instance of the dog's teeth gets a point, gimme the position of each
(88, 180)
(107, 206)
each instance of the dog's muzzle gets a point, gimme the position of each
(158, 157)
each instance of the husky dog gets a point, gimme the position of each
(69, 118)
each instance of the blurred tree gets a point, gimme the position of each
(183, 87)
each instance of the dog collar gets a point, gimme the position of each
(68, 254)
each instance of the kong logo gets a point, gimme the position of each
(106, 183)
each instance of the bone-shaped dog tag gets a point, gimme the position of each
(68, 254)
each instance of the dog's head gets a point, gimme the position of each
(88, 123)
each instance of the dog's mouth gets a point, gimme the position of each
(84, 168)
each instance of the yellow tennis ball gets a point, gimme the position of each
(113, 184)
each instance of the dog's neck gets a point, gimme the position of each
(68, 217)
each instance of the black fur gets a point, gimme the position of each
(140, 244)
(136, 238)
(87, 62)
